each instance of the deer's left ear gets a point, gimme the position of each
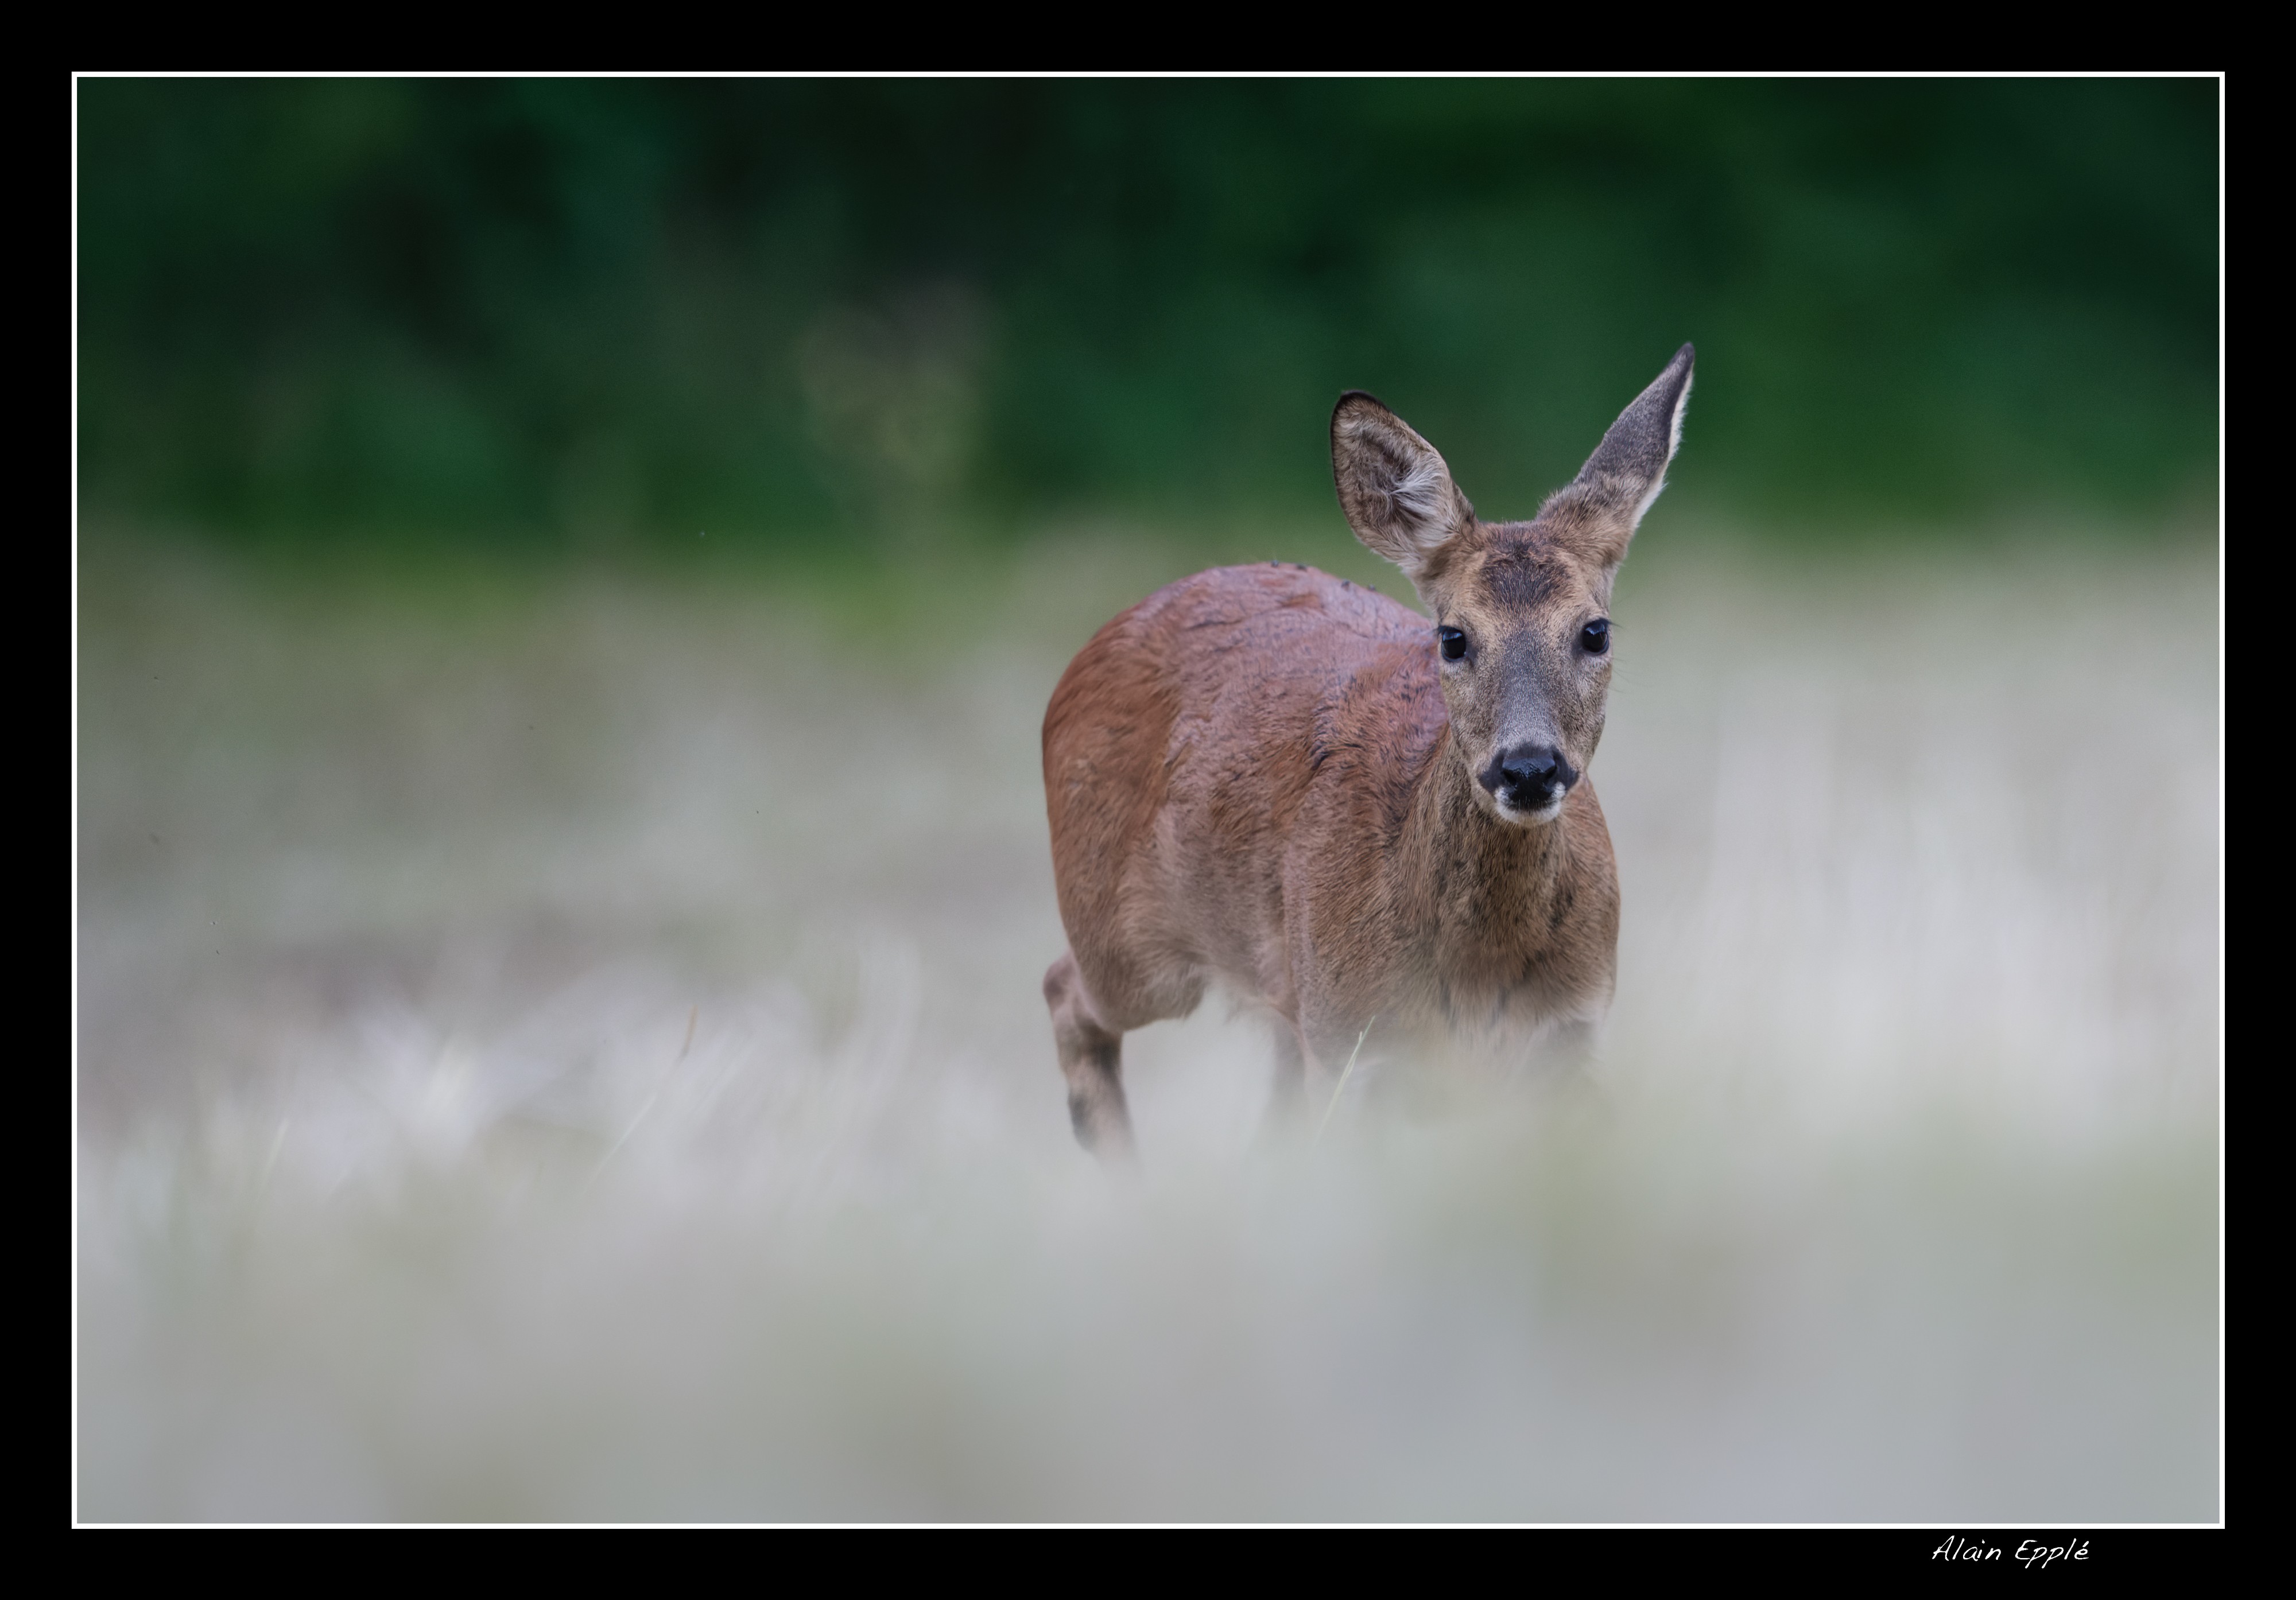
(1628, 468)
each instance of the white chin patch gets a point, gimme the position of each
(1545, 813)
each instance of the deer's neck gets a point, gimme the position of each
(1485, 894)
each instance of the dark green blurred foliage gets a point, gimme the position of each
(564, 310)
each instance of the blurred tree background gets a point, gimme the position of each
(537, 312)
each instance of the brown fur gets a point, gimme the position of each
(1265, 777)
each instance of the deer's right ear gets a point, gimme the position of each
(1394, 488)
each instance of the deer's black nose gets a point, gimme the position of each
(1529, 777)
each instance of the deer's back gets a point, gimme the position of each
(1181, 749)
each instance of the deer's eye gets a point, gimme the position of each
(1454, 643)
(1594, 638)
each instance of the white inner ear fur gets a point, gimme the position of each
(1418, 502)
(1673, 443)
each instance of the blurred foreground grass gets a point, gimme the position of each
(569, 1046)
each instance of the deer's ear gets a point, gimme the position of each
(1628, 468)
(1393, 486)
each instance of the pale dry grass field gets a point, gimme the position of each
(572, 1049)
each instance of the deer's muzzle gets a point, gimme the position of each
(1529, 778)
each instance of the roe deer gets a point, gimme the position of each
(1270, 778)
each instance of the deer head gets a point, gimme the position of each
(1521, 610)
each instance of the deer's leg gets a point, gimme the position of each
(1562, 1078)
(1568, 1057)
(1287, 1100)
(1091, 1060)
